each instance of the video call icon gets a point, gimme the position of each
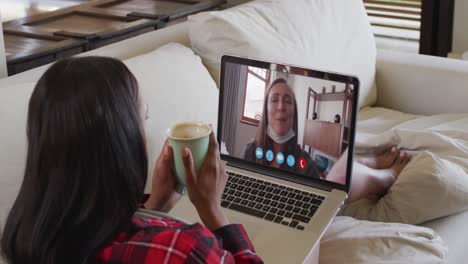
(291, 160)
(259, 153)
(302, 163)
(269, 155)
(280, 158)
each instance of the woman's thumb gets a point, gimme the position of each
(189, 166)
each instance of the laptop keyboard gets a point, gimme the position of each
(272, 202)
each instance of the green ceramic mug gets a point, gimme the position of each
(196, 137)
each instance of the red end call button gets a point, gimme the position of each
(302, 163)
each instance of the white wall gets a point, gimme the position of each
(3, 67)
(460, 28)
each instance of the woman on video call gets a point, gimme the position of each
(86, 171)
(277, 131)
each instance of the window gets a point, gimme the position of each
(420, 26)
(396, 22)
(255, 87)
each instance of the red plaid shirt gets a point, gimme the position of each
(164, 240)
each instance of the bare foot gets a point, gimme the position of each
(400, 164)
(385, 178)
(382, 161)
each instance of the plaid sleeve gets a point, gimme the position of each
(234, 239)
(209, 249)
(168, 241)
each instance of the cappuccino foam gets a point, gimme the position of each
(189, 131)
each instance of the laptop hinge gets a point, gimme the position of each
(316, 183)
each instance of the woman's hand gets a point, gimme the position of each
(206, 188)
(163, 195)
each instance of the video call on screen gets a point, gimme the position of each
(280, 117)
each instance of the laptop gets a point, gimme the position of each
(281, 130)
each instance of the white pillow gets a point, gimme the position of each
(14, 102)
(429, 187)
(332, 35)
(348, 240)
(177, 88)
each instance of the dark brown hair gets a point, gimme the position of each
(86, 163)
(262, 140)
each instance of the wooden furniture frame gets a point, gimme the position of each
(164, 10)
(328, 137)
(41, 39)
(35, 53)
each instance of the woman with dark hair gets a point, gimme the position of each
(85, 175)
(277, 132)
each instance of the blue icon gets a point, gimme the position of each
(291, 160)
(259, 153)
(269, 155)
(280, 158)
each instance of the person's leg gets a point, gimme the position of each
(382, 161)
(367, 181)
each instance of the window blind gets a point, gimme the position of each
(395, 18)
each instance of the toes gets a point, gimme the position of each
(401, 158)
(406, 158)
(394, 152)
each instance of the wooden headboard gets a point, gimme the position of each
(323, 136)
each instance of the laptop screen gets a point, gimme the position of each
(287, 118)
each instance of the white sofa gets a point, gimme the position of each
(408, 83)
(3, 66)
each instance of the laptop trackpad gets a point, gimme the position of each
(252, 225)
(186, 211)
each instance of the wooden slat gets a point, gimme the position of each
(27, 31)
(46, 15)
(106, 13)
(386, 9)
(415, 4)
(168, 10)
(22, 48)
(395, 17)
(201, 6)
(393, 26)
(408, 10)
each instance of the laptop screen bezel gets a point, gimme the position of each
(271, 171)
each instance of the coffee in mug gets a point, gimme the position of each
(196, 137)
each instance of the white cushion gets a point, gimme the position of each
(450, 228)
(429, 187)
(350, 241)
(14, 102)
(177, 88)
(332, 35)
(435, 183)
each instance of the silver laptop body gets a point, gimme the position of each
(284, 211)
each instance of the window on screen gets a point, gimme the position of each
(255, 87)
